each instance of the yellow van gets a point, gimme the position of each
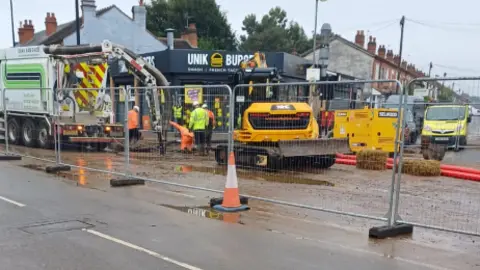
(446, 125)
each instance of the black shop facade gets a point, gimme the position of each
(200, 71)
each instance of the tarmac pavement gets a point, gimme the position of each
(51, 224)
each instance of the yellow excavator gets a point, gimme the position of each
(271, 134)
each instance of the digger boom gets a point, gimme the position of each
(146, 73)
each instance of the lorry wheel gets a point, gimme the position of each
(324, 162)
(13, 131)
(101, 146)
(438, 152)
(29, 133)
(43, 139)
(425, 154)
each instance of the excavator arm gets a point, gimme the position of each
(143, 71)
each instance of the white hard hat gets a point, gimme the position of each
(195, 103)
(136, 108)
(204, 106)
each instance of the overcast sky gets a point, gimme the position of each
(446, 33)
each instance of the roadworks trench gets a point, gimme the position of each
(434, 201)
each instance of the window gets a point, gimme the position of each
(446, 113)
(377, 72)
(383, 74)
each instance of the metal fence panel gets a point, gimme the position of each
(175, 150)
(277, 138)
(448, 131)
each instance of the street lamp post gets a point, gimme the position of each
(11, 21)
(324, 52)
(314, 59)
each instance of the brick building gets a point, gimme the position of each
(99, 24)
(385, 65)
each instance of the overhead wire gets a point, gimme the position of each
(456, 68)
(432, 25)
(380, 24)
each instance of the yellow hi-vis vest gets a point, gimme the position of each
(177, 112)
(198, 119)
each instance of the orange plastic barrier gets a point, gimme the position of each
(459, 169)
(343, 156)
(447, 170)
(345, 161)
(461, 175)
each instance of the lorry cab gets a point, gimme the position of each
(446, 125)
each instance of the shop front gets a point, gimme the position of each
(200, 73)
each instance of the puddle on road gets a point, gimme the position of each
(252, 175)
(207, 212)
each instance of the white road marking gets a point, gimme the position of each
(178, 194)
(12, 202)
(144, 250)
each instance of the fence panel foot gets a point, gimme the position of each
(385, 231)
(9, 157)
(123, 182)
(57, 168)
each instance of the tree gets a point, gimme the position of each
(273, 33)
(213, 29)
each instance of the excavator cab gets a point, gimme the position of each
(270, 133)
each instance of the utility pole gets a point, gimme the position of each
(402, 24)
(314, 59)
(429, 74)
(77, 21)
(11, 21)
(443, 83)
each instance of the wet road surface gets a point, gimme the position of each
(435, 201)
(51, 224)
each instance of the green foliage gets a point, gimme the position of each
(445, 94)
(213, 29)
(274, 32)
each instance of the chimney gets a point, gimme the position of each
(50, 24)
(139, 14)
(25, 32)
(404, 64)
(411, 68)
(390, 55)
(170, 39)
(190, 35)
(396, 59)
(372, 45)
(21, 33)
(381, 51)
(89, 14)
(360, 38)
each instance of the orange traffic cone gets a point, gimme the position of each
(231, 195)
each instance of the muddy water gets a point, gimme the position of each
(254, 175)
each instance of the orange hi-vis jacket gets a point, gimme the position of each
(212, 117)
(132, 119)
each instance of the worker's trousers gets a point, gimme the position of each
(208, 137)
(200, 140)
(134, 134)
